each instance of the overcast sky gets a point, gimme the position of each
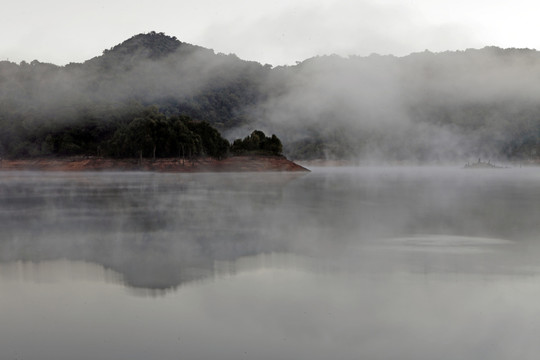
(276, 32)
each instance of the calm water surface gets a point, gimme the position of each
(340, 263)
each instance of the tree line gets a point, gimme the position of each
(143, 132)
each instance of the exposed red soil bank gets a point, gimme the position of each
(230, 164)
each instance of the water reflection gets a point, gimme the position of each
(273, 311)
(386, 263)
(157, 230)
(160, 231)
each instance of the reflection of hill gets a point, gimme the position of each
(158, 231)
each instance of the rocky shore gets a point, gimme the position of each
(231, 164)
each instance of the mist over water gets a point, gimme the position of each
(348, 263)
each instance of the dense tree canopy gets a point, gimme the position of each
(257, 143)
(136, 132)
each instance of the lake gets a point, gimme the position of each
(340, 263)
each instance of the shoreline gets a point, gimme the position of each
(254, 163)
(504, 164)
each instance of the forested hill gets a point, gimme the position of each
(149, 69)
(422, 107)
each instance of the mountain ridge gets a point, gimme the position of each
(423, 106)
(159, 44)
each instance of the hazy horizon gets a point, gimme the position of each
(277, 33)
(297, 62)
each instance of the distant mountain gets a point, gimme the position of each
(423, 107)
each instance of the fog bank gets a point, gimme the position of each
(425, 107)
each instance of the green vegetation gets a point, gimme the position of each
(133, 132)
(152, 134)
(138, 99)
(127, 133)
(257, 143)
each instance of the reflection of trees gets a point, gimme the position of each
(157, 230)
(163, 230)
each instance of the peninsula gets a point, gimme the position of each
(145, 139)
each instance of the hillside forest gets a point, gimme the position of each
(155, 96)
